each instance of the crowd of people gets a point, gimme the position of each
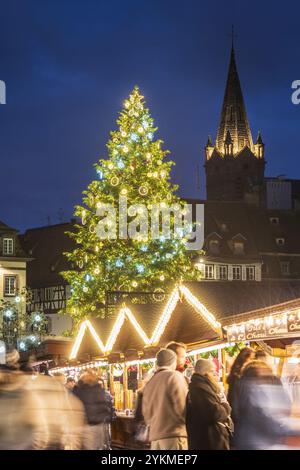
(39, 411)
(256, 412)
(44, 412)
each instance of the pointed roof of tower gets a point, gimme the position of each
(233, 116)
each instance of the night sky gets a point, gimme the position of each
(69, 65)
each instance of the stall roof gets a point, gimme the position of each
(182, 317)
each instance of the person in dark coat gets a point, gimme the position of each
(98, 409)
(244, 357)
(263, 409)
(207, 410)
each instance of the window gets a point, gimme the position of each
(274, 220)
(223, 272)
(236, 273)
(8, 246)
(209, 271)
(10, 285)
(280, 241)
(214, 247)
(285, 268)
(238, 248)
(250, 273)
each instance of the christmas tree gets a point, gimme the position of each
(135, 182)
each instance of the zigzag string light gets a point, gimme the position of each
(86, 324)
(159, 329)
(200, 308)
(165, 317)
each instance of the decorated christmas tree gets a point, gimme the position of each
(116, 250)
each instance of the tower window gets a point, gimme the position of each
(280, 241)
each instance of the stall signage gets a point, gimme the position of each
(293, 322)
(255, 329)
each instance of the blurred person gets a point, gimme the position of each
(263, 409)
(163, 404)
(98, 409)
(59, 415)
(180, 350)
(207, 410)
(70, 383)
(245, 356)
(17, 421)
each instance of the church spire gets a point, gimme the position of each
(233, 116)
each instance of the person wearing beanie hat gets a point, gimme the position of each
(207, 413)
(163, 404)
(166, 358)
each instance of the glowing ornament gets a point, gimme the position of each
(141, 130)
(134, 137)
(8, 314)
(145, 124)
(114, 181)
(155, 174)
(144, 248)
(143, 190)
(126, 104)
(150, 135)
(162, 277)
(18, 299)
(159, 295)
(119, 263)
(92, 228)
(134, 284)
(149, 174)
(97, 271)
(22, 346)
(97, 248)
(123, 134)
(124, 191)
(159, 162)
(87, 277)
(110, 166)
(140, 268)
(125, 149)
(37, 318)
(120, 164)
(85, 289)
(163, 174)
(131, 211)
(168, 255)
(148, 156)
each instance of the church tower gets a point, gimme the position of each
(234, 166)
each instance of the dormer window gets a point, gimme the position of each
(8, 246)
(214, 246)
(280, 241)
(238, 248)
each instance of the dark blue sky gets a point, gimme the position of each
(68, 65)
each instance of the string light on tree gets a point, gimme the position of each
(136, 167)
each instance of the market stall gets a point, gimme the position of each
(122, 348)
